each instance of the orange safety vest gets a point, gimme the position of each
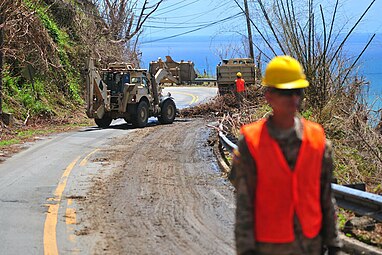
(280, 192)
(240, 85)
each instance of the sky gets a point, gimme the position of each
(176, 18)
(177, 29)
(201, 31)
(222, 24)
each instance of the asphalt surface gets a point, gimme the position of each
(40, 186)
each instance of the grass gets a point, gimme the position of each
(21, 134)
(24, 135)
(5, 143)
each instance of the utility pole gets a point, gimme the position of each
(251, 54)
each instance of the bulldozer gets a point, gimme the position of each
(122, 91)
(183, 71)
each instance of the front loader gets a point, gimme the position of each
(121, 91)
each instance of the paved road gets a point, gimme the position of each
(163, 195)
(190, 96)
(38, 186)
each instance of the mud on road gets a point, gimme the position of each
(164, 195)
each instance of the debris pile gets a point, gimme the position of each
(225, 104)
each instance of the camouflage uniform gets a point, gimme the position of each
(243, 175)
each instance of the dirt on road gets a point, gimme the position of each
(165, 195)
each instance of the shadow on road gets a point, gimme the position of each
(127, 126)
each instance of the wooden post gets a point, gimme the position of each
(251, 54)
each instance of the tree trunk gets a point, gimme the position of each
(1, 61)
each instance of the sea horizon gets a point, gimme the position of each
(203, 51)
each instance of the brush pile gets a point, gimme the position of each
(225, 104)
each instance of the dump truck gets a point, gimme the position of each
(183, 71)
(122, 91)
(227, 70)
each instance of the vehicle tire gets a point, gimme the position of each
(141, 117)
(168, 111)
(104, 122)
(127, 120)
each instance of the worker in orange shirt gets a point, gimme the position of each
(282, 172)
(239, 88)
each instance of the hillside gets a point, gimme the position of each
(46, 45)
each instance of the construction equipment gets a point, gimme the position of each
(227, 70)
(121, 91)
(184, 72)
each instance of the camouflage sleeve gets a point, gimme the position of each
(329, 230)
(243, 178)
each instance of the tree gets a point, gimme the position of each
(303, 30)
(114, 30)
(122, 22)
(6, 9)
(23, 40)
(1, 58)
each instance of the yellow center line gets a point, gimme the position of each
(70, 214)
(50, 235)
(50, 241)
(194, 98)
(85, 160)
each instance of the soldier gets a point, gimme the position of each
(282, 172)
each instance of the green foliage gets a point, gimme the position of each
(74, 91)
(263, 110)
(378, 189)
(307, 114)
(10, 84)
(341, 218)
(25, 95)
(4, 143)
(56, 88)
(351, 166)
(22, 135)
(58, 36)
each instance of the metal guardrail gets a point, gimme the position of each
(360, 202)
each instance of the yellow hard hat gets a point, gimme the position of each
(284, 72)
(238, 74)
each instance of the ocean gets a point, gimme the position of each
(205, 53)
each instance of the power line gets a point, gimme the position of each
(195, 24)
(214, 9)
(178, 23)
(170, 6)
(194, 30)
(185, 5)
(175, 27)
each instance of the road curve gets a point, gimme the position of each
(41, 188)
(36, 183)
(164, 195)
(190, 96)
